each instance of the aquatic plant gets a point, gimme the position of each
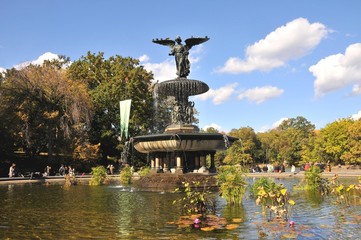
(144, 171)
(70, 180)
(314, 181)
(126, 175)
(264, 182)
(196, 199)
(232, 184)
(99, 176)
(344, 194)
(274, 199)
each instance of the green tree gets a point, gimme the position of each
(293, 134)
(245, 151)
(353, 153)
(110, 81)
(333, 140)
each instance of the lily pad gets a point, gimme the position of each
(290, 235)
(208, 229)
(231, 226)
(237, 220)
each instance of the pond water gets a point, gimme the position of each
(52, 211)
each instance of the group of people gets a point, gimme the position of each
(65, 170)
(268, 168)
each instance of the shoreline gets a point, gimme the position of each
(352, 173)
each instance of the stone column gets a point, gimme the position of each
(152, 165)
(179, 166)
(157, 163)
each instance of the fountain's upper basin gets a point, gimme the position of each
(168, 142)
(182, 86)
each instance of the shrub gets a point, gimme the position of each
(126, 175)
(232, 185)
(196, 200)
(99, 176)
(144, 171)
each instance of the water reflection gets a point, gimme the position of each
(37, 211)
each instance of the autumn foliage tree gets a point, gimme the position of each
(49, 111)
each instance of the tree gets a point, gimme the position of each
(244, 151)
(294, 133)
(110, 81)
(49, 110)
(353, 153)
(210, 130)
(333, 142)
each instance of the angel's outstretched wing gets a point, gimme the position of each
(190, 42)
(166, 42)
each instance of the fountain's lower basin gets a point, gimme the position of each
(188, 142)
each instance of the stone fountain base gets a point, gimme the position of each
(182, 152)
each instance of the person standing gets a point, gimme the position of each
(293, 169)
(62, 170)
(12, 170)
(111, 168)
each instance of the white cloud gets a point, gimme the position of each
(144, 58)
(219, 95)
(2, 70)
(46, 56)
(274, 125)
(260, 94)
(167, 69)
(278, 122)
(356, 89)
(162, 71)
(356, 116)
(337, 71)
(291, 41)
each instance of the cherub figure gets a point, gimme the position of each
(181, 52)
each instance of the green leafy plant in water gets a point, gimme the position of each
(70, 180)
(195, 200)
(99, 176)
(266, 183)
(232, 185)
(126, 175)
(273, 198)
(313, 181)
(348, 195)
(144, 171)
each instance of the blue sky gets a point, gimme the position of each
(265, 61)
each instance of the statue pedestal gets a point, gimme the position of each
(182, 129)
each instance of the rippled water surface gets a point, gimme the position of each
(39, 211)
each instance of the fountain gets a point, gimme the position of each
(182, 148)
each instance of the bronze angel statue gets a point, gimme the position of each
(180, 52)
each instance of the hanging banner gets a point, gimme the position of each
(124, 117)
